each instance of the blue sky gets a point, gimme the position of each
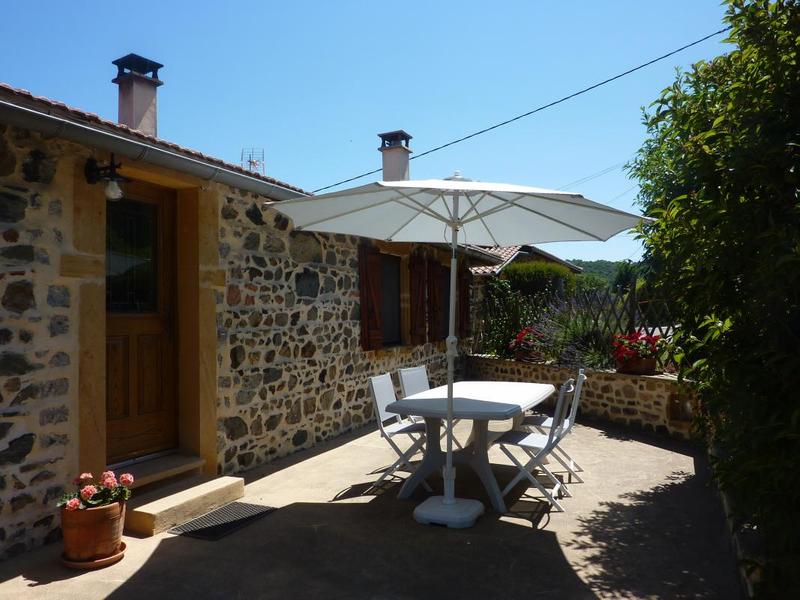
(314, 82)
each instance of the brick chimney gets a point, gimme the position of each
(137, 78)
(395, 151)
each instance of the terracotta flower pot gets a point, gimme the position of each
(93, 534)
(637, 366)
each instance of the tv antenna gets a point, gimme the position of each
(253, 160)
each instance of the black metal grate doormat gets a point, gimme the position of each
(222, 521)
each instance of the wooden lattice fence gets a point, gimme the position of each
(622, 312)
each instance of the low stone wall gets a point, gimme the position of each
(650, 402)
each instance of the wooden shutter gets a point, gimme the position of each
(464, 288)
(434, 300)
(416, 268)
(369, 287)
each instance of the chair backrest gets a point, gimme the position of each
(557, 431)
(576, 399)
(413, 380)
(382, 390)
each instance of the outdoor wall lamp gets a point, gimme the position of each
(95, 173)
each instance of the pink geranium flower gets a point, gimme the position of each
(109, 480)
(84, 478)
(126, 479)
(73, 504)
(88, 491)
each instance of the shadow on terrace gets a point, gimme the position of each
(644, 525)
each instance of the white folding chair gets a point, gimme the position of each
(391, 425)
(541, 422)
(414, 380)
(538, 446)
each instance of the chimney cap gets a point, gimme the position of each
(391, 139)
(133, 64)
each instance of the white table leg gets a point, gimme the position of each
(432, 461)
(476, 455)
(480, 464)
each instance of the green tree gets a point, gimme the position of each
(607, 269)
(589, 282)
(719, 171)
(625, 277)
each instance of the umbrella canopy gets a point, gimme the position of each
(490, 214)
(436, 210)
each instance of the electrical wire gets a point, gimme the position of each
(539, 108)
(621, 194)
(600, 173)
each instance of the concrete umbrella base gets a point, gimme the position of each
(462, 513)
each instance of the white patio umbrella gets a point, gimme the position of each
(433, 210)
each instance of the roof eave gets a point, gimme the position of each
(128, 146)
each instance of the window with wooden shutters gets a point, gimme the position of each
(390, 299)
(436, 310)
(444, 302)
(464, 289)
(405, 297)
(369, 285)
(419, 310)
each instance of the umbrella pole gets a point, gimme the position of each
(449, 474)
(449, 510)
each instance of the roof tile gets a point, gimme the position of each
(46, 104)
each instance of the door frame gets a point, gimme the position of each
(200, 278)
(164, 201)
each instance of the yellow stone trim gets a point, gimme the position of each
(92, 378)
(82, 266)
(212, 278)
(159, 176)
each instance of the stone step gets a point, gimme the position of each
(163, 467)
(159, 509)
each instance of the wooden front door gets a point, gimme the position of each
(141, 406)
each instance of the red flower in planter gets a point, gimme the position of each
(528, 344)
(636, 345)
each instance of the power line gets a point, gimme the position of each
(540, 108)
(600, 173)
(621, 194)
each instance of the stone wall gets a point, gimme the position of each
(651, 402)
(38, 338)
(291, 369)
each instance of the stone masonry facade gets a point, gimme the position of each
(38, 337)
(291, 369)
(654, 403)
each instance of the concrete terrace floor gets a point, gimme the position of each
(645, 524)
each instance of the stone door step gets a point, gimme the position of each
(158, 510)
(163, 467)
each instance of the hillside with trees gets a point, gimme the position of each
(603, 273)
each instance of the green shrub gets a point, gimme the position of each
(575, 338)
(568, 338)
(505, 313)
(720, 170)
(539, 279)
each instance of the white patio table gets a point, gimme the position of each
(480, 402)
